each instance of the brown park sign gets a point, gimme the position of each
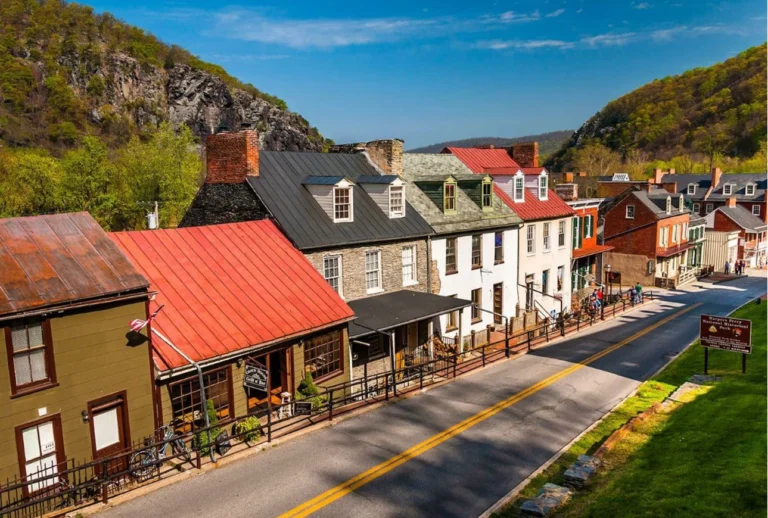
(728, 334)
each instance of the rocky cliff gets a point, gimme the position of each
(66, 72)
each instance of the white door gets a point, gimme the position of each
(40, 455)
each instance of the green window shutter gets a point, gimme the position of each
(575, 233)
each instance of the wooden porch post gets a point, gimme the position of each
(430, 336)
(461, 331)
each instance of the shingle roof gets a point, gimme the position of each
(704, 181)
(533, 209)
(279, 186)
(60, 259)
(228, 288)
(479, 160)
(656, 201)
(743, 218)
(469, 216)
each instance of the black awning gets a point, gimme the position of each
(391, 310)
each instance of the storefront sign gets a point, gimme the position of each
(727, 334)
(256, 377)
(302, 408)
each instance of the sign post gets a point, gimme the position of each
(726, 334)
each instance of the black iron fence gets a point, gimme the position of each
(70, 485)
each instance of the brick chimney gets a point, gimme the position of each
(568, 177)
(731, 202)
(716, 174)
(671, 170)
(526, 154)
(657, 174)
(231, 156)
(386, 154)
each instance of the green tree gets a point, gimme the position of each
(596, 159)
(30, 183)
(86, 182)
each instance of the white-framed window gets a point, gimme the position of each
(681, 204)
(543, 187)
(630, 214)
(409, 265)
(396, 201)
(728, 189)
(545, 233)
(373, 271)
(696, 208)
(684, 232)
(498, 247)
(487, 195)
(588, 230)
(518, 188)
(749, 190)
(560, 274)
(332, 272)
(664, 236)
(675, 230)
(709, 207)
(531, 238)
(342, 204)
(669, 205)
(561, 234)
(756, 210)
(691, 188)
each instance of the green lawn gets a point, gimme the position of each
(706, 458)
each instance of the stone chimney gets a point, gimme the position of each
(716, 174)
(526, 154)
(671, 170)
(386, 154)
(231, 156)
(657, 175)
(731, 202)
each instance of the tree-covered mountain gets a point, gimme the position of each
(704, 112)
(66, 72)
(548, 142)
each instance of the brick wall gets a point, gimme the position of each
(230, 157)
(353, 267)
(631, 236)
(526, 154)
(386, 154)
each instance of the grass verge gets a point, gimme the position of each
(706, 458)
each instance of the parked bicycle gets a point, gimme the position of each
(144, 462)
(71, 496)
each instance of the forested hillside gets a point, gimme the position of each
(548, 142)
(715, 112)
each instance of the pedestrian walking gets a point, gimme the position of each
(727, 268)
(639, 291)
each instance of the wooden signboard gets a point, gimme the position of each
(727, 334)
(256, 376)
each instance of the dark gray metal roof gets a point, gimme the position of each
(743, 218)
(279, 186)
(383, 179)
(657, 202)
(391, 310)
(703, 182)
(322, 180)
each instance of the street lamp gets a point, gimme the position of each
(610, 279)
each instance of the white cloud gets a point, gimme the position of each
(513, 17)
(555, 14)
(524, 44)
(609, 39)
(642, 5)
(579, 11)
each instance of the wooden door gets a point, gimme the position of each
(498, 304)
(110, 434)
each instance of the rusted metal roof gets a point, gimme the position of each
(60, 259)
(229, 288)
(485, 160)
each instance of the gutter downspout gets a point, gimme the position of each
(429, 264)
(203, 400)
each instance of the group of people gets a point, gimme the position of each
(596, 299)
(738, 267)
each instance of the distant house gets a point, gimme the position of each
(475, 241)
(347, 211)
(74, 387)
(649, 232)
(236, 296)
(587, 266)
(733, 217)
(545, 238)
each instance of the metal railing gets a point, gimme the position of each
(70, 485)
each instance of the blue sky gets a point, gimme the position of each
(429, 71)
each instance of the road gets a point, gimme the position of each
(399, 461)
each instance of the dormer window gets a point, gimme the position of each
(449, 197)
(669, 205)
(396, 201)
(681, 204)
(518, 188)
(487, 194)
(728, 189)
(691, 188)
(749, 190)
(543, 187)
(342, 204)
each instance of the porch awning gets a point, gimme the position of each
(391, 310)
(591, 250)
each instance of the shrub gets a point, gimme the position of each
(308, 391)
(201, 441)
(249, 429)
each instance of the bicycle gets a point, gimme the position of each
(71, 496)
(144, 462)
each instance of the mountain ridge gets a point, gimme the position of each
(548, 142)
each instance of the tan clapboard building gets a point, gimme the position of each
(71, 386)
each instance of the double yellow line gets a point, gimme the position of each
(333, 494)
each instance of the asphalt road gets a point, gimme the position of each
(470, 471)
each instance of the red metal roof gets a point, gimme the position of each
(533, 209)
(533, 170)
(591, 250)
(229, 287)
(60, 259)
(480, 160)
